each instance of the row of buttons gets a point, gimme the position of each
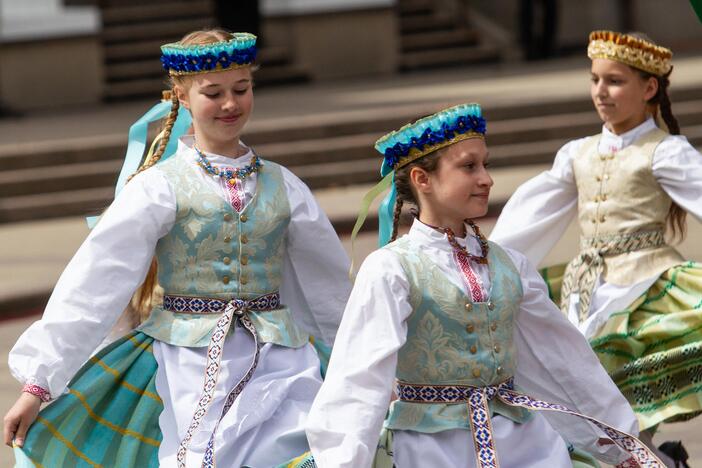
(476, 371)
(228, 217)
(490, 305)
(470, 328)
(244, 260)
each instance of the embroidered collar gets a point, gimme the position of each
(609, 140)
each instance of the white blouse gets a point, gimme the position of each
(555, 362)
(112, 262)
(540, 210)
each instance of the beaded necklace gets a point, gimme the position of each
(484, 247)
(230, 176)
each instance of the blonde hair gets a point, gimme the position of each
(149, 292)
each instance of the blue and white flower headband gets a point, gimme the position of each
(239, 51)
(411, 142)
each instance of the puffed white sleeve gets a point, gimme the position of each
(555, 363)
(677, 166)
(540, 210)
(96, 286)
(343, 426)
(316, 282)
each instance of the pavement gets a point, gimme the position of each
(32, 254)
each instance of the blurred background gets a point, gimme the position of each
(335, 75)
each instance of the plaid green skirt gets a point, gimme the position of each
(653, 348)
(109, 417)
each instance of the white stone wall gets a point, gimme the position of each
(27, 20)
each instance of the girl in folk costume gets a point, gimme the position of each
(466, 331)
(221, 372)
(629, 292)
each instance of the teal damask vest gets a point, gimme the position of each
(214, 252)
(452, 340)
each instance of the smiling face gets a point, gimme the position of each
(220, 104)
(620, 94)
(458, 189)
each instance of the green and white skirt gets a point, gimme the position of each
(109, 417)
(653, 348)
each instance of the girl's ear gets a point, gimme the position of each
(183, 97)
(419, 178)
(651, 88)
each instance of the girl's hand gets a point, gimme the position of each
(20, 417)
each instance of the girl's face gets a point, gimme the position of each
(220, 104)
(620, 94)
(459, 188)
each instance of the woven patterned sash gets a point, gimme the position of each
(477, 399)
(238, 308)
(582, 272)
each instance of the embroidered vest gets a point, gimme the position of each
(452, 340)
(618, 194)
(214, 252)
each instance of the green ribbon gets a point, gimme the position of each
(366, 202)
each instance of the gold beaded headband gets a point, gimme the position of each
(630, 50)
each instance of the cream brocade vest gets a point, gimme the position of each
(618, 194)
(453, 340)
(213, 251)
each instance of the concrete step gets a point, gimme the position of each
(145, 12)
(318, 139)
(362, 168)
(55, 179)
(411, 42)
(423, 59)
(120, 52)
(425, 22)
(86, 202)
(165, 31)
(415, 7)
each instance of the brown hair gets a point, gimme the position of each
(147, 294)
(403, 186)
(675, 219)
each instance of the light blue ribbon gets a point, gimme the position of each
(387, 208)
(137, 143)
(386, 213)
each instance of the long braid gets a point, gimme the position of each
(676, 215)
(142, 300)
(665, 105)
(167, 129)
(396, 218)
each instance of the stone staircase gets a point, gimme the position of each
(435, 36)
(133, 32)
(70, 177)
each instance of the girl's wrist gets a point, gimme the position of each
(37, 391)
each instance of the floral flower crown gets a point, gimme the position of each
(429, 134)
(239, 51)
(630, 50)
